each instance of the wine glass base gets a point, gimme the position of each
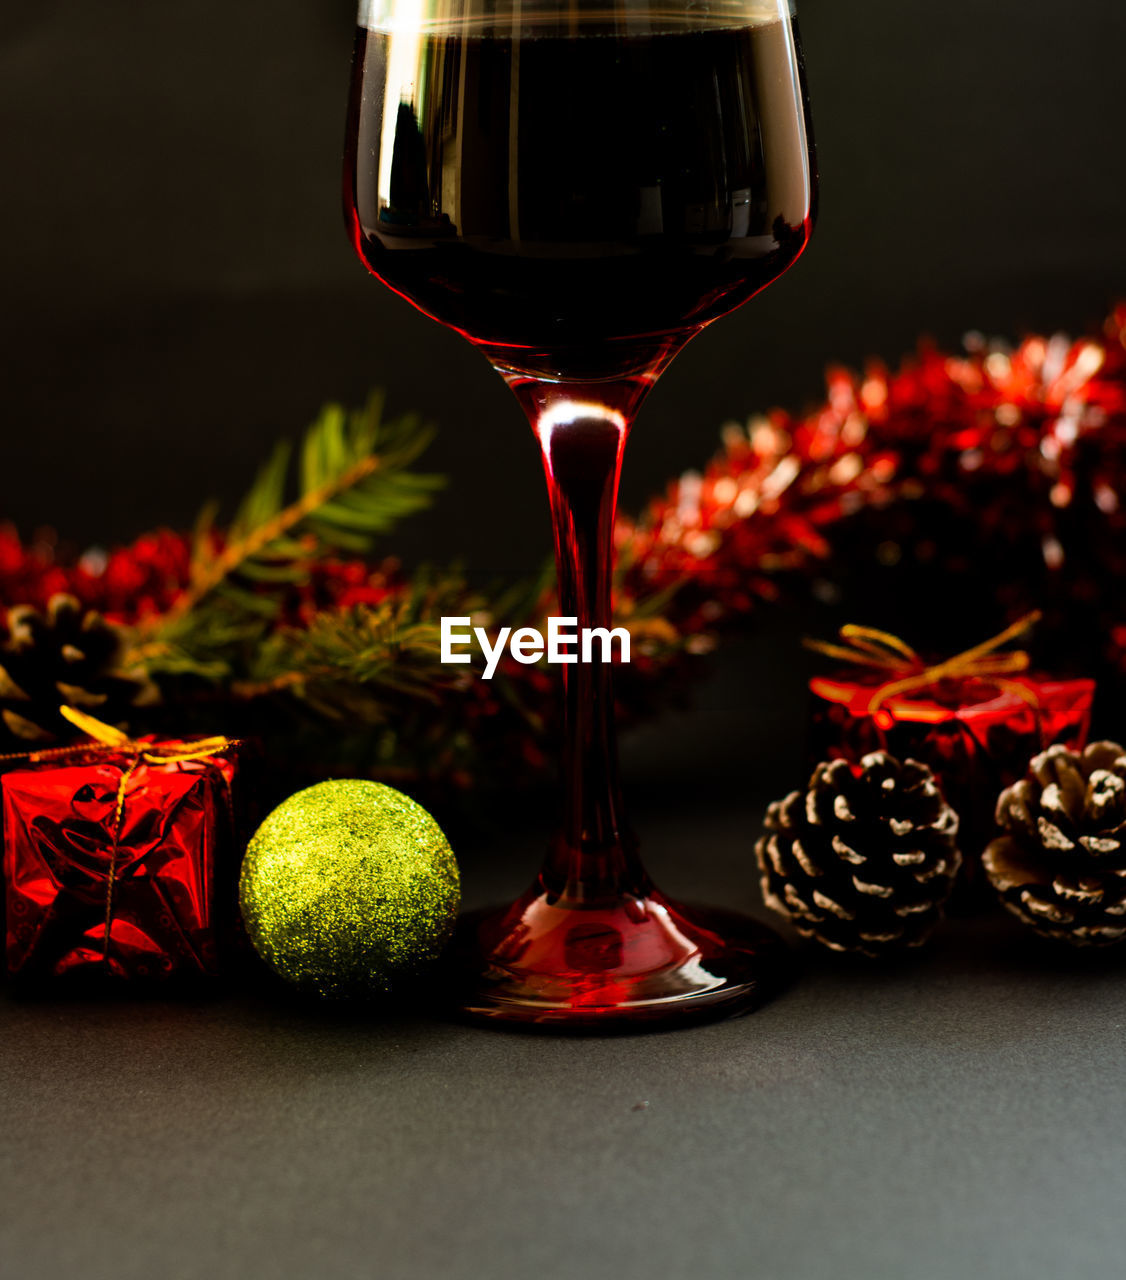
(633, 965)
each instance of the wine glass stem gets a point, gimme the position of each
(582, 434)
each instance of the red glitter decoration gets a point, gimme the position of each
(145, 579)
(126, 584)
(1048, 417)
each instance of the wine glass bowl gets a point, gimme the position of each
(579, 188)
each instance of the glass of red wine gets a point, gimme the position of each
(578, 187)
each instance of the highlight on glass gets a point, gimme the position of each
(579, 188)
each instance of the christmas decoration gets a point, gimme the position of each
(124, 584)
(864, 859)
(65, 654)
(1002, 467)
(349, 888)
(110, 856)
(974, 719)
(1060, 866)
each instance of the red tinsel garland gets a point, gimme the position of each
(1047, 418)
(145, 579)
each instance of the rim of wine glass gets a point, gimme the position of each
(565, 17)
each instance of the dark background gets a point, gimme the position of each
(179, 291)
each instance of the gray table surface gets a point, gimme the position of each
(962, 1114)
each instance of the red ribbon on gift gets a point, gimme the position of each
(907, 672)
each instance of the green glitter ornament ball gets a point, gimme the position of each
(348, 888)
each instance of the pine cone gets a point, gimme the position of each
(863, 860)
(63, 656)
(1061, 866)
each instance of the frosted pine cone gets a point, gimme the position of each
(1060, 867)
(865, 858)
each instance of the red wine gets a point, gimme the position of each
(579, 205)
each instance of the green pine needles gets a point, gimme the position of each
(355, 483)
(271, 640)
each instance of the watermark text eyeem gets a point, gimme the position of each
(564, 642)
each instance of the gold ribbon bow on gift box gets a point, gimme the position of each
(907, 672)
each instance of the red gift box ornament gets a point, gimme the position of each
(109, 855)
(975, 719)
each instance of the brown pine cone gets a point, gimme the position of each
(865, 858)
(1061, 865)
(67, 655)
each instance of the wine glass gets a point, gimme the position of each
(578, 187)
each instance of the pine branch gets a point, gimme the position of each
(209, 643)
(352, 662)
(354, 484)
